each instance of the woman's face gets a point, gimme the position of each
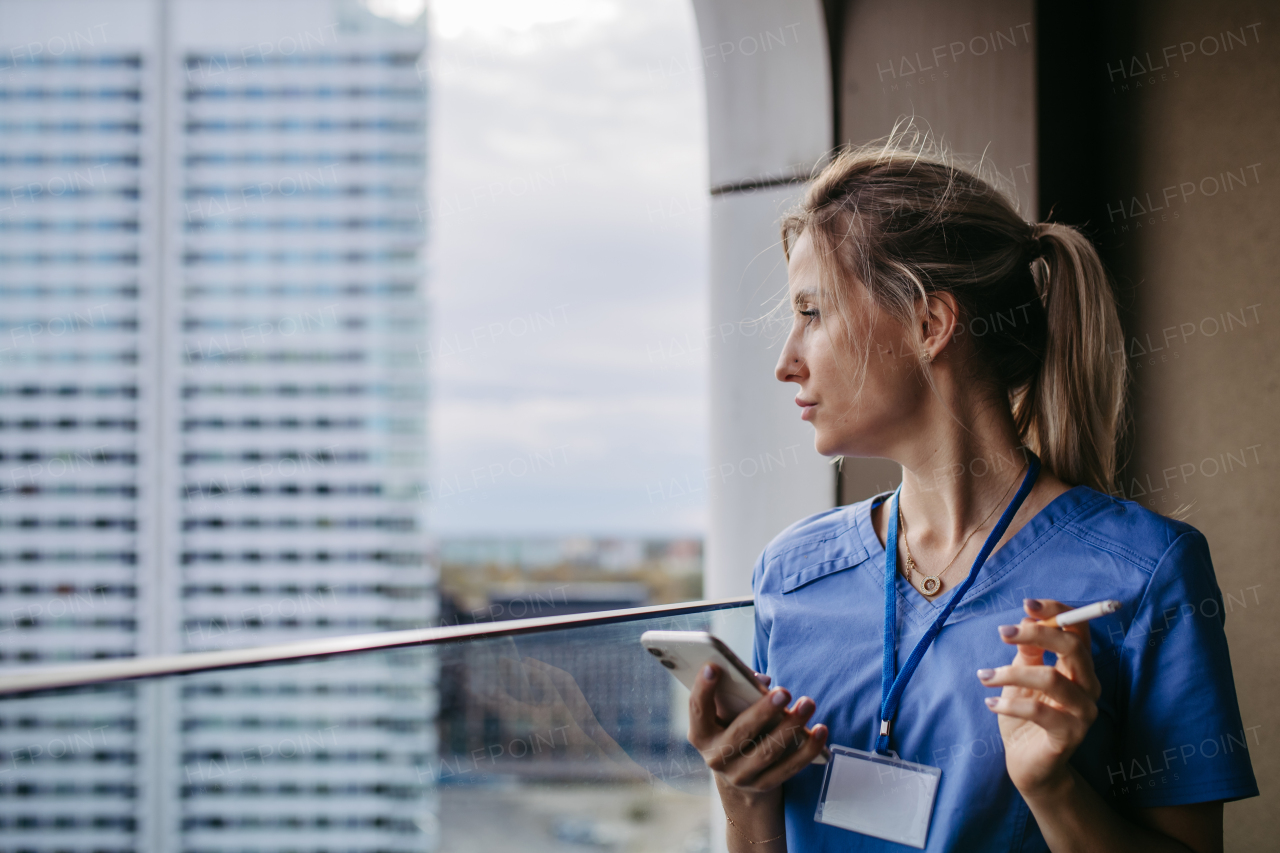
(850, 417)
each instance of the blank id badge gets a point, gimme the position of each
(878, 795)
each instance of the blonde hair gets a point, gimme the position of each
(902, 218)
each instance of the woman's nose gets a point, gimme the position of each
(789, 363)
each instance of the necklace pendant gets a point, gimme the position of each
(930, 585)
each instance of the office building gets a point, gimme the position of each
(213, 429)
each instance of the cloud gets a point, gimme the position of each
(495, 19)
(568, 220)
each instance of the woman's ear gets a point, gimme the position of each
(939, 323)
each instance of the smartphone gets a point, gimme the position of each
(684, 653)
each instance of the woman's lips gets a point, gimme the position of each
(806, 408)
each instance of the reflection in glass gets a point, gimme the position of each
(553, 740)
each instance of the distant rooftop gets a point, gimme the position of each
(608, 553)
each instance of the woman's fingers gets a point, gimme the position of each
(703, 725)
(760, 719)
(760, 748)
(1067, 729)
(1043, 608)
(755, 758)
(707, 733)
(793, 764)
(1070, 696)
(1079, 663)
(768, 745)
(1060, 641)
(1071, 645)
(1059, 698)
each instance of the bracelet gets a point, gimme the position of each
(748, 840)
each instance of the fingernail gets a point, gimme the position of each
(779, 697)
(804, 704)
(708, 673)
(1033, 604)
(991, 701)
(1008, 630)
(984, 674)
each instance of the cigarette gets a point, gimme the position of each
(1081, 614)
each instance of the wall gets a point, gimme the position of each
(1199, 272)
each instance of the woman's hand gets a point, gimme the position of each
(1045, 711)
(759, 749)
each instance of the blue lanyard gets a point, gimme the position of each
(891, 687)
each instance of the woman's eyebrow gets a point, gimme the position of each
(802, 296)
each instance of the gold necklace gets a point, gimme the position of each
(931, 585)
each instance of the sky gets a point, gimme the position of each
(567, 266)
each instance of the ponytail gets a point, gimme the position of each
(1072, 410)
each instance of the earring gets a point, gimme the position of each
(925, 358)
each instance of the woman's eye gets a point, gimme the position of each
(812, 312)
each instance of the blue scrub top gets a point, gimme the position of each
(1168, 730)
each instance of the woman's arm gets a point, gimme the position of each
(755, 820)
(751, 756)
(1045, 712)
(1074, 819)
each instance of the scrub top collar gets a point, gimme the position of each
(922, 611)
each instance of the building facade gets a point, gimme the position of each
(213, 421)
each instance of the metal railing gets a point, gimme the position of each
(72, 675)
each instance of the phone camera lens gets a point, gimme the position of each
(668, 664)
(657, 653)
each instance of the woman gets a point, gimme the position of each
(935, 327)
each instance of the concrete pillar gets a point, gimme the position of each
(769, 122)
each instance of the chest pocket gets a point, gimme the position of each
(803, 569)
